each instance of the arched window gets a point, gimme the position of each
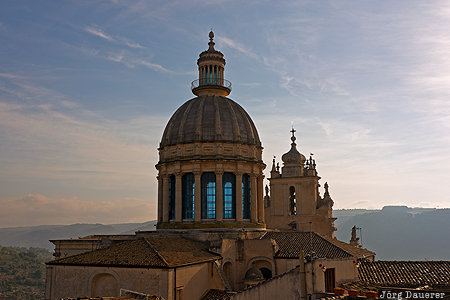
(188, 196)
(292, 201)
(208, 195)
(215, 74)
(228, 270)
(246, 196)
(210, 74)
(172, 189)
(229, 195)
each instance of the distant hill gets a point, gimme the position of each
(399, 232)
(394, 232)
(39, 236)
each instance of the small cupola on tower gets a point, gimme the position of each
(293, 161)
(211, 66)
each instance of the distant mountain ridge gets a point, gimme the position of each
(39, 236)
(399, 232)
(393, 233)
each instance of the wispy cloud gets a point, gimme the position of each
(236, 46)
(153, 66)
(131, 61)
(10, 76)
(131, 44)
(98, 32)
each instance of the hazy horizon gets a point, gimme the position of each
(154, 220)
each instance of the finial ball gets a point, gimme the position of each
(211, 35)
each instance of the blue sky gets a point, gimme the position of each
(86, 88)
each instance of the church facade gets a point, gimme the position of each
(218, 232)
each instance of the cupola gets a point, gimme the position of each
(293, 156)
(211, 65)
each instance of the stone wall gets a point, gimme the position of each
(79, 281)
(285, 286)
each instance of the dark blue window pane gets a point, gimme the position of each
(245, 196)
(208, 195)
(172, 189)
(211, 200)
(229, 196)
(188, 196)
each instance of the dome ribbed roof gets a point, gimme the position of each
(254, 274)
(210, 118)
(293, 156)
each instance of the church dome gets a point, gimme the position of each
(210, 158)
(210, 118)
(293, 156)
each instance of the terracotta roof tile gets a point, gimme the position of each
(290, 244)
(217, 295)
(406, 273)
(155, 251)
(179, 251)
(354, 251)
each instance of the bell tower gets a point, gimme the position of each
(294, 202)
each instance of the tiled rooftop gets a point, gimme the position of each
(406, 273)
(155, 251)
(354, 251)
(291, 243)
(217, 295)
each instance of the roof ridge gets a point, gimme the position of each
(156, 251)
(84, 253)
(331, 241)
(336, 242)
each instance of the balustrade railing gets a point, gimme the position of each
(210, 82)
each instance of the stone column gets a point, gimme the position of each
(219, 196)
(239, 197)
(198, 197)
(260, 199)
(254, 199)
(178, 197)
(160, 198)
(165, 189)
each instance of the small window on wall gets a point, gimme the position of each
(188, 195)
(246, 196)
(172, 188)
(292, 201)
(208, 195)
(229, 196)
